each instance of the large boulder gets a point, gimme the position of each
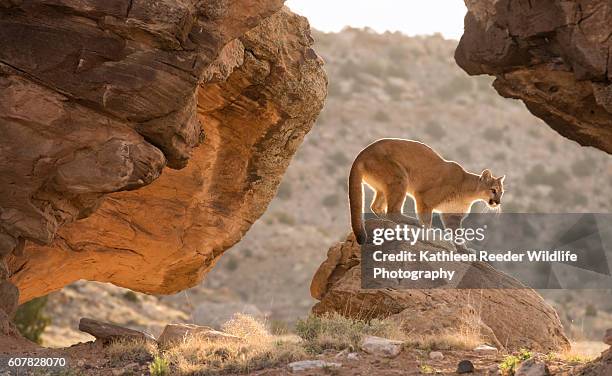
(97, 97)
(553, 55)
(511, 316)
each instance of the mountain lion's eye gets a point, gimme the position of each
(494, 191)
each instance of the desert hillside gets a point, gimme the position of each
(385, 85)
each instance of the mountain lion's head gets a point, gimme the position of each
(491, 188)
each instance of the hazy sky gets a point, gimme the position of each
(411, 17)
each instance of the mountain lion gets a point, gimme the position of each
(394, 168)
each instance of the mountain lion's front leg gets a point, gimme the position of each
(453, 221)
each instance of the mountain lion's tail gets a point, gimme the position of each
(355, 189)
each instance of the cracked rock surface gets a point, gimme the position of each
(141, 139)
(553, 55)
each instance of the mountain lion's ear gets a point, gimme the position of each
(485, 175)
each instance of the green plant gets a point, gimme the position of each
(509, 365)
(424, 368)
(511, 362)
(159, 366)
(31, 320)
(130, 296)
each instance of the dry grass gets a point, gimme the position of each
(130, 350)
(447, 341)
(258, 349)
(333, 331)
(581, 352)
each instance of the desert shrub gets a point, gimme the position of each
(130, 296)
(455, 87)
(582, 167)
(538, 175)
(373, 67)
(232, 263)
(258, 349)
(285, 218)
(334, 89)
(339, 158)
(590, 310)
(331, 201)
(494, 134)
(580, 199)
(398, 70)
(334, 331)
(499, 156)
(342, 182)
(381, 116)
(31, 320)
(464, 152)
(435, 130)
(394, 90)
(398, 52)
(284, 191)
(349, 69)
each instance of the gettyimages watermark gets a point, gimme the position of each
(491, 250)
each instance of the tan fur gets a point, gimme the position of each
(394, 168)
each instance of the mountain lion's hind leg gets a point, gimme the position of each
(395, 203)
(379, 204)
(452, 220)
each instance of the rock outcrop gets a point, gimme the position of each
(510, 317)
(97, 97)
(553, 55)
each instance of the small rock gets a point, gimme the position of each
(493, 370)
(353, 356)
(174, 333)
(310, 364)
(608, 337)
(531, 367)
(381, 346)
(485, 349)
(436, 355)
(107, 332)
(465, 366)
